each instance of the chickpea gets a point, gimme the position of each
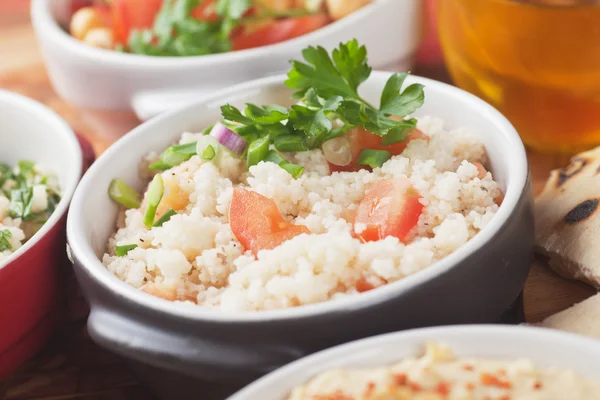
(100, 37)
(340, 8)
(84, 20)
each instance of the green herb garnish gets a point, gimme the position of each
(176, 32)
(175, 155)
(373, 158)
(123, 194)
(165, 218)
(290, 143)
(328, 90)
(123, 250)
(5, 235)
(21, 202)
(209, 153)
(154, 196)
(258, 150)
(275, 157)
(293, 169)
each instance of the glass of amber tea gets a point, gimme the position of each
(537, 61)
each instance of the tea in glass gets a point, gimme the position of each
(537, 61)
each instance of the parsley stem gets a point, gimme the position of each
(366, 103)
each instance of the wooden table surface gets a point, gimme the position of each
(71, 366)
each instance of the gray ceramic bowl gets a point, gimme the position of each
(475, 284)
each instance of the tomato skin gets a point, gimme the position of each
(257, 223)
(362, 139)
(390, 208)
(280, 31)
(128, 15)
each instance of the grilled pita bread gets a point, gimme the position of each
(583, 318)
(568, 219)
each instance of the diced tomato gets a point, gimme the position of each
(389, 208)
(362, 139)
(257, 223)
(128, 15)
(363, 286)
(280, 31)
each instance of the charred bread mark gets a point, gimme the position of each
(577, 165)
(582, 211)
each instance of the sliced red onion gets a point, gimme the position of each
(228, 138)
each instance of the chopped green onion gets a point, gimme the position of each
(373, 158)
(176, 155)
(159, 166)
(120, 192)
(123, 250)
(258, 150)
(396, 135)
(293, 169)
(290, 143)
(5, 234)
(275, 157)
(209, 153)
(209, 149)
(166, 217)
(155, 195)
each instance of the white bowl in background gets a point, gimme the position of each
(546, 348)
(95, 78)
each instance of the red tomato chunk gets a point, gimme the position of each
(361, 139)
(389, 208)
(257, 223)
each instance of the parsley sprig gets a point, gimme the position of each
(327, 88)
(329, 105)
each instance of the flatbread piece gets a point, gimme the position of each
(568, 219)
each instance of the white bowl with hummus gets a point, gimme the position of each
(454, 362)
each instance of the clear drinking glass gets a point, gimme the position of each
(537, 61)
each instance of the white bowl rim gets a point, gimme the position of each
(59, 128)
(84, 253)
(44, 22)
(518, 332)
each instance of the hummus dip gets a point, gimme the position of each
(440, 374)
